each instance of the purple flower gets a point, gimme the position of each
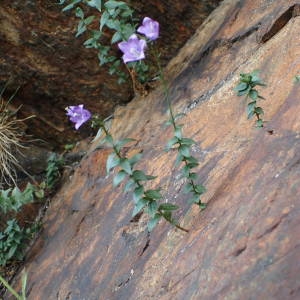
(133, 49)
(150, 29)
(78, 115)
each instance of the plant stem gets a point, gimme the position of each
(10, 289)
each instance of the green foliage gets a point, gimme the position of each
(297, 79)
(14, 199)
(12, 291)
(117, 18)
(54, 165)
(13, 240)
(147, 200)
(183, 146)
(246, 87)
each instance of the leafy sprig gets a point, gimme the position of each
(147, 200)
(13, 241)
(117, 18)
(246, 87)
(183, 146)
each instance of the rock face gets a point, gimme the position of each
(40, 55)
(245, 245)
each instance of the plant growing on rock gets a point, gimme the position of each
(246, 86)
(147, 200)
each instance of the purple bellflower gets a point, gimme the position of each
(150, 29)
(133, 49)
(78, 115)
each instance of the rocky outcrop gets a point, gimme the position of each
(245, 245)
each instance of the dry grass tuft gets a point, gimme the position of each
(10, 145)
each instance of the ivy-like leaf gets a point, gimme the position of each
(178, 131)
(251, 109)
(153, 222)
(139, 206)
(138, 193)
(79, 13)
(153, 194)
(152, 208)
(253, 94)
(112, 161)
(200, 189)
(116, 37)
(173, 141)
(259, 110)
(95, 3)
(135, 158)
(184, 150)
(103, 20)
(168, 207)
(125, 165)
(71, 5)
(119, 178)
(241, 87)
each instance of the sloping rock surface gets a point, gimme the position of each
(245, 245)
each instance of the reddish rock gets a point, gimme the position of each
(245, 245)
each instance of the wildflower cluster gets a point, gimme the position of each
(147, 200)
(246, 87)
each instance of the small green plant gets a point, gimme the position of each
(12, 290)
(54, 166)
(297, 79)
(148, 200)
(13, 241)
(246, 86)
(117, 18)
(14, 199)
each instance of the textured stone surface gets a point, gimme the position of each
(245, 245)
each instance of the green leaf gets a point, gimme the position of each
(253, 94)
(184, 150)
(152, 208)
(89, 20)
(153, 222)
(192, 176)
(187, 141)
(297, 79)
(168, 207)
(200, 189)
(178, 131)
(112, 4)
(95, 3)
(173, 141)
(241, 87)
(71, 5)
(104, 19)
(79, 13)
(119, 178)
(188, 188)
(153, 194)
(116, 37)
(259, 110)
(139, 206)
(251, 109)
(130, 184)
(259, 123)
(138, 175)
(138, 193)
(112, 161)
(125, 165)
